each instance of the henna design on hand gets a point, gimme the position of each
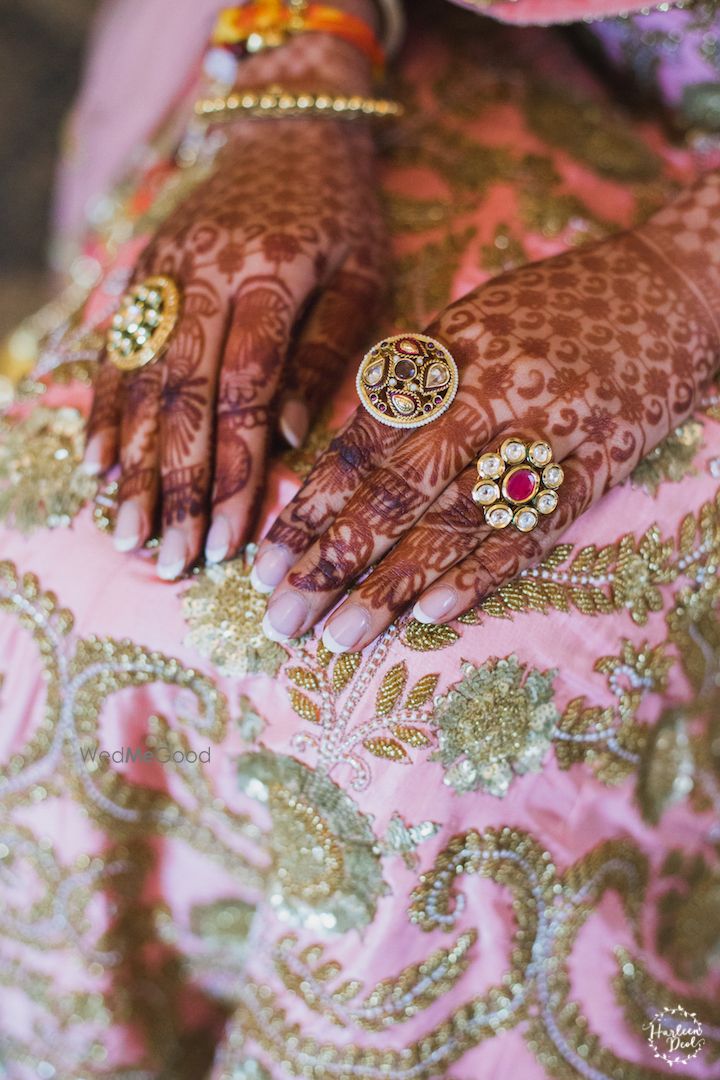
(603, 350)
(249, 248)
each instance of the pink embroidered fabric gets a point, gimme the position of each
(487, 850)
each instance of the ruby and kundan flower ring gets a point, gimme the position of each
(518, 484)
(409, 380)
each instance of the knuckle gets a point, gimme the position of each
(457, 511)
(391, 493)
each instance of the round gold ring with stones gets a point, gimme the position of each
(517, 484)
(407, 380)
(143, 325)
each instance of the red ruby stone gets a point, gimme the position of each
(520, 486)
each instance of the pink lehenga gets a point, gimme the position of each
(485, 850)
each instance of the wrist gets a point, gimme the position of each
(312, 62)
(330, 44)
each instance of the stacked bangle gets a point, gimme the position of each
(276, 102)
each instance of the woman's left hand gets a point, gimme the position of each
(602, 352)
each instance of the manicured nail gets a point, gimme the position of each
(218, 540)
(285, 617)
(269, 569)
(294, 422)
(346, 629)
(435, 604)
(126, 536)
(173, 555)
(92, 461)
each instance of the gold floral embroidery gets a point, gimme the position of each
(672, 460)
(589, 131)
(331, 691)
(225, 613)
(667, 767)
(326, 871)
(403, 839)
(625, 575)
(551, 909)
(42, 482)
(497, 722)
(308, 975)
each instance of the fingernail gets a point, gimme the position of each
(126, 536)
(284, 617)
(92, 461)
(218, 540)
(347, 627)
(431, 607)
(269, 570)
(173, 555)
(294, 423)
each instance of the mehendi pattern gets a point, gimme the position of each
(315, 901)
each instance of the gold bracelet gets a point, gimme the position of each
(276, 102)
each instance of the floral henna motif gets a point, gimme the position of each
(250, 247)
(602, 350)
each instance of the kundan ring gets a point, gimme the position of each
(143, 325)
(517, 483)
(407, 380)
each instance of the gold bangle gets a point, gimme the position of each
(275, 102)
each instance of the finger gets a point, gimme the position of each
(352, 455)
(386, 506)
(103, 426)
(388, 502)
(501, 556)
(264, 313)
(139, 458)
(336, 329)
(448, 531)
(187, 395)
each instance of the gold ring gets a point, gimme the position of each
(518, 483)
(141, 329)
(407, 380)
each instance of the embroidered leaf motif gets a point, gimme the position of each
(304, 678)
(578, 720)
(426, 638)
(686, 536)
(323, 655)
(391, 688)
(347, 991)
(422, 691)
(345, 667)
(383, 747)
(304, 707)
(413, 736)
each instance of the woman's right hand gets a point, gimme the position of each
(278, 259)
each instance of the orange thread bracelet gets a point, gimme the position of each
(267, 24)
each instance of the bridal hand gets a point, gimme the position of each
(601, 351)
(277, 256)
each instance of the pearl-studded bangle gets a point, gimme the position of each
(276, 102)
